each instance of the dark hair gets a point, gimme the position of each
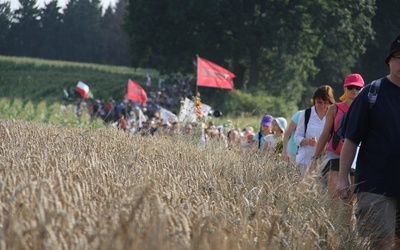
(324, 92)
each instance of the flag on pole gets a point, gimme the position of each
(136, 93)
(82, 89)
(212, 75)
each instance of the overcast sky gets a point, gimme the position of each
(62, 3)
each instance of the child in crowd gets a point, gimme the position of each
(265, 129)
(272, 141)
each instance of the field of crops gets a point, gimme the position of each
(69, 183)
(42, 112)
(66, 187)
(43, 80)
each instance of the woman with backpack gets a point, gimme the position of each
(310, 126)
(330, 142)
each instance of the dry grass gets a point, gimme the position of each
(74, 188)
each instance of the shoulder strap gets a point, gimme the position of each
(373, 92)
(307, 115)
(343, 107)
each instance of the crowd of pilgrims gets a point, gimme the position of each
(135, 119)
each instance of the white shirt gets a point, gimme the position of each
(314, 129)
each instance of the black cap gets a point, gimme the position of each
(394, 47)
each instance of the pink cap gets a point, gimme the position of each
(354, 80)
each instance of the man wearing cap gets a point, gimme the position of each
(377, 177)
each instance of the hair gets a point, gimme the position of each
(324, 92)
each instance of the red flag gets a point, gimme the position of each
(136, 93)
(212, 75)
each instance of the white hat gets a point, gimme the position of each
(282, 123)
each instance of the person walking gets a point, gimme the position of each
(265, 129)
(329, 141)
(308, 132)
(289, 148)
(374, 121)
(272, 141)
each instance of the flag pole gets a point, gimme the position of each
(197, 86)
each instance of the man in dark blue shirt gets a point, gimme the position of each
(377, 128)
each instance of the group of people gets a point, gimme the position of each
(268, 140)
(353, 144)
(167, 93)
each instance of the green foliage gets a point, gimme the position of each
(55, 113)
(344, 29)
(5, 24)
(386, 25)
(249, 103)
(276, 46)
(24, 32)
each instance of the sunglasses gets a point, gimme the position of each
(354, 87)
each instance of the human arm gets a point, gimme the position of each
(347, 154)
(290, 129)
(299, 136)
(326, 132)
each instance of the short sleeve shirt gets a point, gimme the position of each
(292, 146)
(378, 131)
(259, 138)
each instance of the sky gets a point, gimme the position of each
(62, 3)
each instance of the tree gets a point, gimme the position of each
(51, 30)
(386, 25)
(114, 38)
(168, 34)
(81, 31)
(345, 30)
(5, 25)
(276, 46)
(25, 30)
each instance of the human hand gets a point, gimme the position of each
(285, 157)
(312, 141)
(343, 189)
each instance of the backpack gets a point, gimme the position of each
(336, 141)
(373, 92)
(372, 96)
(307, 114)
(259, 139)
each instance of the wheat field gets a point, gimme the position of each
(82, 188)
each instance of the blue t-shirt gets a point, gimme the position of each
(292, 146)
(259, 138)
(378, 130)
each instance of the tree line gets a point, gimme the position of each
(281, 48)
(80, 32)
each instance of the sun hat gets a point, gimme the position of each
(394, 47)
(266, 120)
(282, 123)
